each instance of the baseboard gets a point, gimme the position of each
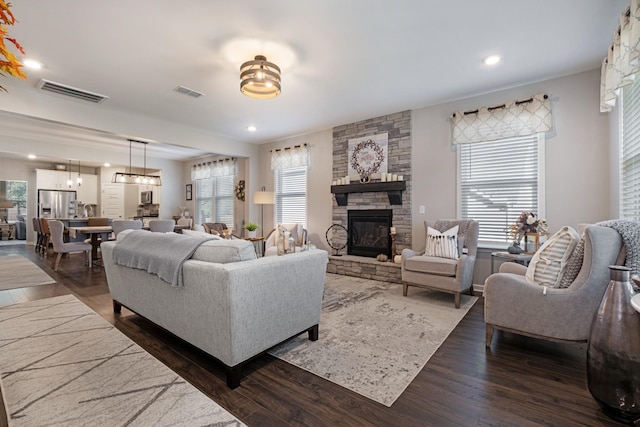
(478, 289)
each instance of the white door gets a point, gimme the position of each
(113, 201)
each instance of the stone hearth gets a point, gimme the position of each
(365, 267)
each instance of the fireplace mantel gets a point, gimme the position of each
(394, 191)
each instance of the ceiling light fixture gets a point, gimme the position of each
(31, 156)
(251, 128)
(32, 63)
(260, 78)
(136, 178)
(491, 60)
(69, 181)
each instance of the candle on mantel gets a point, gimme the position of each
(393, 230)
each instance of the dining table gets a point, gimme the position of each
(94, 232)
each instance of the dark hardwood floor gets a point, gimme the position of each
(519, 382)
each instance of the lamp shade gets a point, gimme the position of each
(263, 198)
(6, 204)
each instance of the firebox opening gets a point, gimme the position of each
(369, 232)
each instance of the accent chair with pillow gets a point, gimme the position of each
(557, 296)
(448, 261)
(297, 232)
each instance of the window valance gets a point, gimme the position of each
(515, 118)
(623, 58)
(290, 157)
(223, 167)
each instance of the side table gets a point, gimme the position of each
(506, 256)
(257, 243)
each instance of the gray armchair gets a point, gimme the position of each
(444, 274)
(513, 304)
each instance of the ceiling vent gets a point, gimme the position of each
(73, 92)
(190, 92)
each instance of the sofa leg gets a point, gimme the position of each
(405, 288)
(313, 333)
(233, 376)
(457, 299)
(117, 307)
(488, 336)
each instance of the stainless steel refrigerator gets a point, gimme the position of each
(56, 204)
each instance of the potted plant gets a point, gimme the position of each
(251, 228)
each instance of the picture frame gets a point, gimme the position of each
(189, 192)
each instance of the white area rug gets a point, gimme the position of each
(373, 340)
(18, 272)
(61, 364)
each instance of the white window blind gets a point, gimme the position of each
(291, 195)
(499, 180)
(630, 153)
(224, 194)
(214, 200)
(204, 197)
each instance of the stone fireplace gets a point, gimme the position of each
(368, 231)
(391, 197)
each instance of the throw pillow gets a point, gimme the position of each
(549, 262)
(574, 265)
(442, 245)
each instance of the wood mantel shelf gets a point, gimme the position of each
(394, 191)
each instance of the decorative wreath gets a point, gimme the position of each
(367, 157)
(240, 190)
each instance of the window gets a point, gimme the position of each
(291, 195)
(630, 154)
(499, 180)
(214, 200)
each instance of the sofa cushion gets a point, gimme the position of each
(225, 251)
(549, 262)
(196, 233)
(431, 265)
(444, 245)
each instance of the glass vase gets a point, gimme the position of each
(613, 354)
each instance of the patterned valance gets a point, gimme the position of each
(224, 167)
(290, 157)
(516, 118)
(623, 58)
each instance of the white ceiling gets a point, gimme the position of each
(341, 61)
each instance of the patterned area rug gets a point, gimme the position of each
(373, 340)
(63, 364)
(18, 272)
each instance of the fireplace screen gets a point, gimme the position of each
(369, 232)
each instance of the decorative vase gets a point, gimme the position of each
(515, 248)
(613, 355)
(251, 234)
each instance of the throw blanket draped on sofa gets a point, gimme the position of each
(161, 254)
(630, 232)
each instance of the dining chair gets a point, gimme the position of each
(60, 247)
(119, 225)
(46, 235)
(162, 225)
(35, 222)
(185, 222)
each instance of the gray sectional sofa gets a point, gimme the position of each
(231, 305)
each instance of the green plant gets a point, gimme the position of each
(251, 226)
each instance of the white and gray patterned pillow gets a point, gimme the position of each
(442, 245)
(574, 265)
(548, 263)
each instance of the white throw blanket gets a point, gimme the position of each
(161, 254)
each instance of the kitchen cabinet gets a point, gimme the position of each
(87, 193)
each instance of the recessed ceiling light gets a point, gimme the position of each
(32, 63)
(251, 128)
(31, 156)
(106, 165)
(492, 59)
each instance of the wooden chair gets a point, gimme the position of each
(36, 227)
(46, 235)
(60, 247)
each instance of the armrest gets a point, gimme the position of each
(512, 267)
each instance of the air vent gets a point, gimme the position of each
(190, 92)
(73, 92)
